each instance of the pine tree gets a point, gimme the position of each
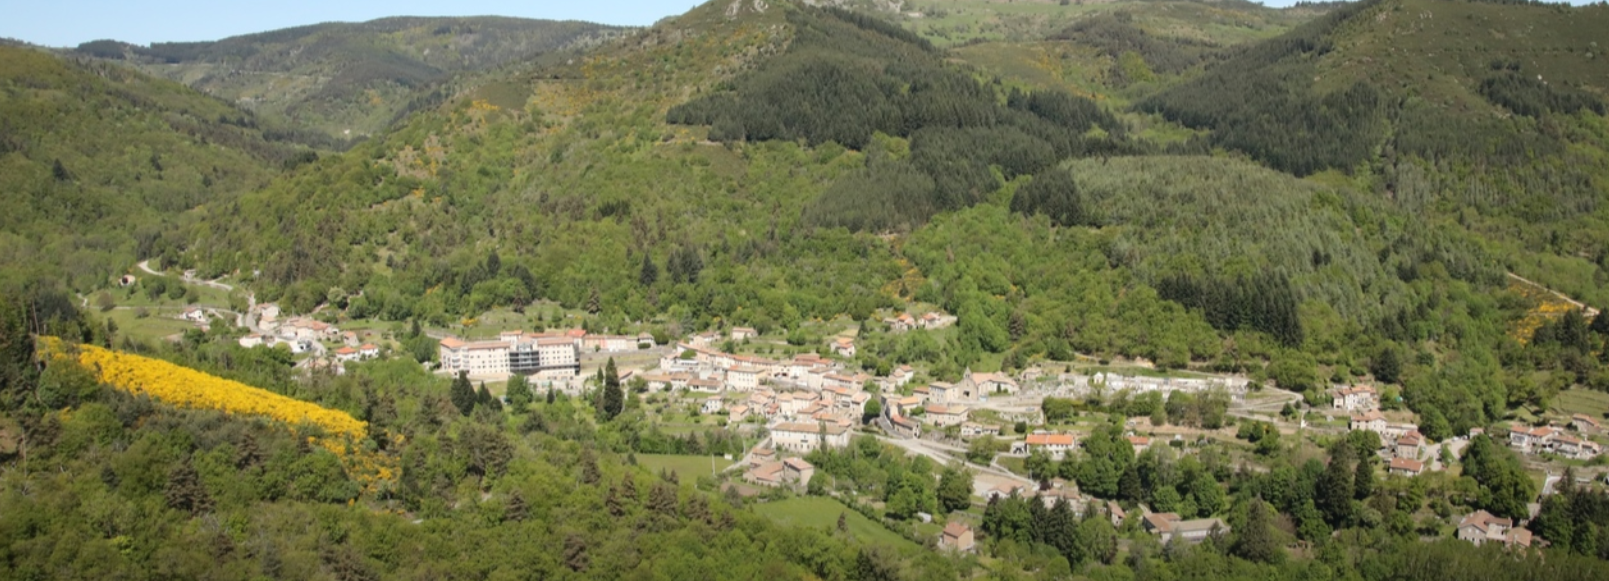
(649, 273)
(1363, 480)
(594, 301)
(17, 371)
(1254, 540)
(662, 498)
(484, 396)
(628, 487)
(462, 394)
(551, 396)
(184, 490)
(589, 468)
(1061, 530)
(515, 510)
(247, 454)
(575, 553)
(1333, 492)
(611, 501)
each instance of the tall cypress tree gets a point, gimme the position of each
(462, 394)
(614, 400)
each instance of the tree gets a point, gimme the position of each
(1387, 365)
(1254, 540)
(1504, 487)
(955, 490)
(184, 490)
(1096, 540)
(1038, 464)
(1333, 491)
(18, 376)
(843, 519)
(1056, 409)
(575, 553)
(873, 409)
(614, 400)
(594, 301)
(515, 510)
(462, 393)
(1363, 479)
(649, 273)
(518, 392)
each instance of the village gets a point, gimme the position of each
(814, 400)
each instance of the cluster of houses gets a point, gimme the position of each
(1078, 385)
(1556, 440)
(362, 352)
(765, 469)
(1481, 527)
(908, 322)
(299, 333)
(837, 408)
(1058, 445)
(1403, 444)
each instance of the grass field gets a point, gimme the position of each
(821, 512)
(1581, 401)
(161, 323)
(685, 467)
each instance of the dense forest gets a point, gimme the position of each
(332, 84)
(84, 203)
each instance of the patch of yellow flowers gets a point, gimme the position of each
(184, 387)
(1548, 307)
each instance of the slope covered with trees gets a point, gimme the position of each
(1451, 108)
(338, 82)
(99, 164)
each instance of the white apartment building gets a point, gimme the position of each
(802, 437)
(512, 352)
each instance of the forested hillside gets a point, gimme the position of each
(1302, 205)
(1453, 109)
(341, 82)
(99, 164)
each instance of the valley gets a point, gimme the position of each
(1141, 289)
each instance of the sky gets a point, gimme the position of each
(70, 22)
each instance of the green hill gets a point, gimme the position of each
(99, 164)
(345, 81)
(1460, 110)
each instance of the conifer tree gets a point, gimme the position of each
(649, 272)
(17, 372)
(613, 398)
(1254, 540)
(515, 510)
(1363, 480)
(1333, 492)
(184, 490)
(462, 394)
